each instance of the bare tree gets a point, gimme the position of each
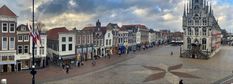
(41, 26)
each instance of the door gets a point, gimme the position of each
(4, 68)
(19, 66)
(12, 67)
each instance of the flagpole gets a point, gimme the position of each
(33, 72)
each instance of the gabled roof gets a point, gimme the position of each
(4, 10)
(53, 33)
(93, 28)
(19, 28)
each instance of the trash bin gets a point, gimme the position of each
(3, 81)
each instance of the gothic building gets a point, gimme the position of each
(202, 34)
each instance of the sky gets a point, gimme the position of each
(155, 14)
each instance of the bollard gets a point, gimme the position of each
(3, 81)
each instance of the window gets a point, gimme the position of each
(20, 49)
(12, 27)
(4, 58)
(35, 51)
(4, 43)
(26, 49)
(41, 50)
(20, 38)
(42, 42)
(107, 42)
(189, 31)
(70, 39)
(70, 47)
(196, 31)
(12, 42)
(11, 57)
(196, 1)
(108, 34)
(26, 38)
(63, 39)
(88, 39)
(189, 43)
(4, 27)
(204, 31)
(204, 44)
(63, 47)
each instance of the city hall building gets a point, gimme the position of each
(202, 34)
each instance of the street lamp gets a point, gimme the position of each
(33, 72)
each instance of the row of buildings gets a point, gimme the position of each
(69, 46)
(15, 44)
(62, 45)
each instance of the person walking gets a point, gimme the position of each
(181, 82)
(67, 68)
(93, 62)
(171, 53)
(63, 65)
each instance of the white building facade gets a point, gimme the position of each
(108, 41)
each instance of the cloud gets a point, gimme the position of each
(157, 14)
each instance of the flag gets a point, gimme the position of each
(37, 33)
(32, 34)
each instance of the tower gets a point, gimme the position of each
(199, 24)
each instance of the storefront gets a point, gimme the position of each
(7, 63)
(23, 62)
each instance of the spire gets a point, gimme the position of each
(210, 11)
(184, 10)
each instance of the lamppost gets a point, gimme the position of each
(33, 71)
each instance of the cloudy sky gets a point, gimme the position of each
(156, 14)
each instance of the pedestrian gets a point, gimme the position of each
(93, 62)
(171, 53)
(109, 56)
(77, 63)
(67, 68)
(63, 65)
(181, 82)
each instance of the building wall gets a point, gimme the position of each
(66, 43)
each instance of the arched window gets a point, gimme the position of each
(204, 44)
(189, 31)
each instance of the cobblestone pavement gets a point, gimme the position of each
(53, 73)
(136, 71)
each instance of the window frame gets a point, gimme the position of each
(6, 27)
(22, 52)
(11, 26)
(63, 49)
(5, 44)
(24, 48)
(70, 47)
(25, 40)
(21, 38)
(10, 43)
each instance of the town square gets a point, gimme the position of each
(116, 42)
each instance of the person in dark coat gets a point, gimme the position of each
(67, 68)
(181, 82)
(63, 66)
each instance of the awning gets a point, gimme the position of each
(66, 57)
(11, 62)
